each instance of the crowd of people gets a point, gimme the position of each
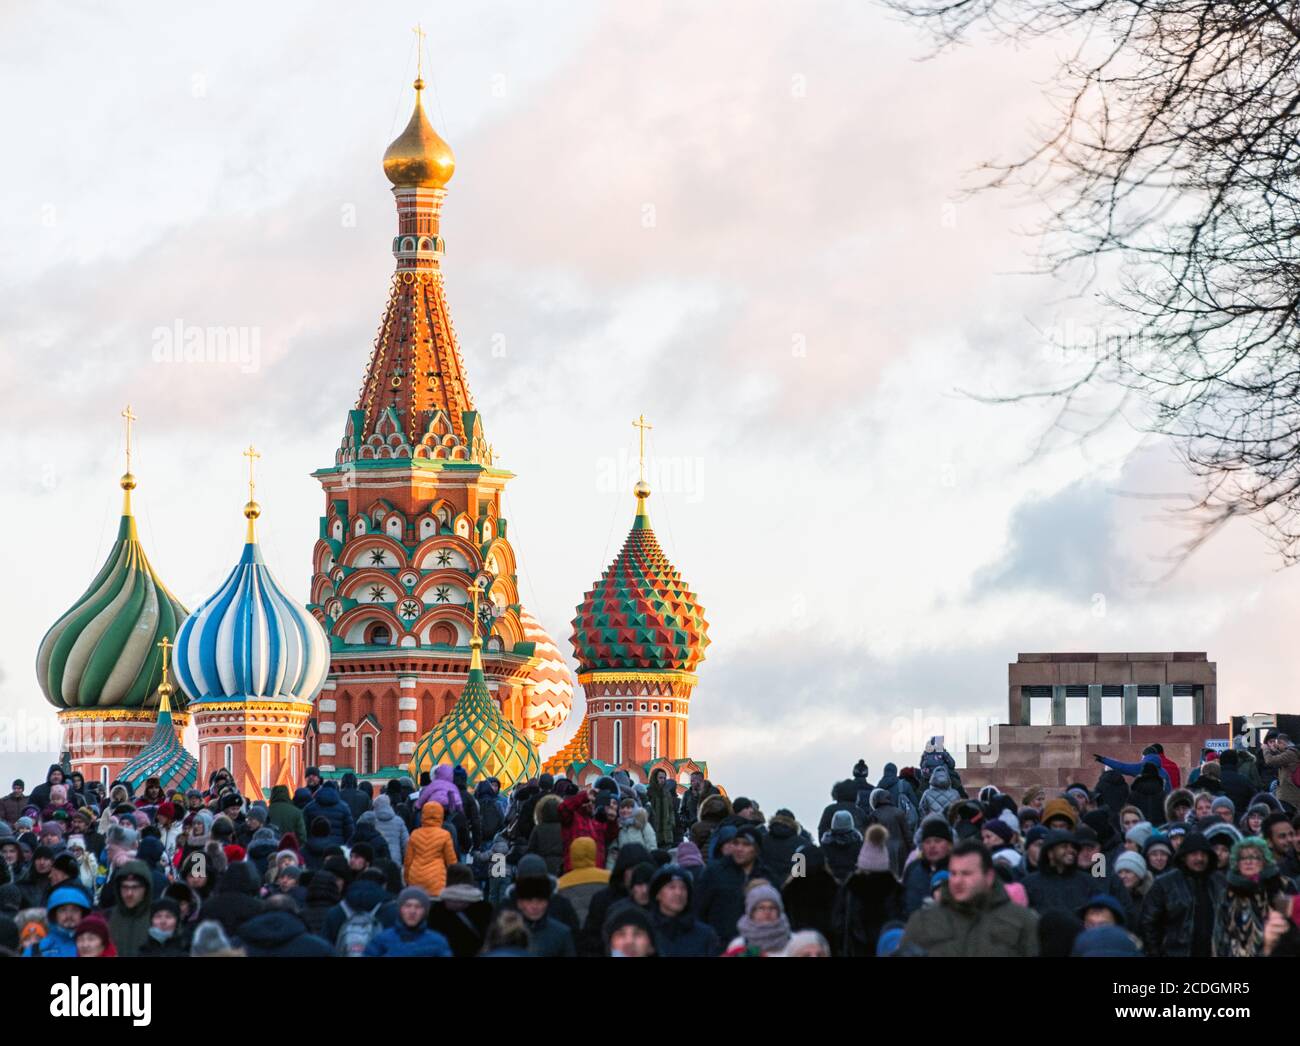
(1139, 863)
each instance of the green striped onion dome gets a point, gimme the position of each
(640, 616)
(475, 735)
(104, 651)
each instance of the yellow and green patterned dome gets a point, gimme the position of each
(475, 735)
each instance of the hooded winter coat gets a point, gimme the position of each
(129, 927)
(583, 880)
(662, 799)
(1178, 912)
(392, 828)
(547, 838)
(1148, 793)
(637, 830)
(430, 851)
(367, 831)
(282, 935)
(840, 847)
(491, 819)
(357, 800)
(989, 925)
(783, 838)
(940, 795)
(720, 894)
(328, 805)
(683, 936)
(861, 908)
(360, 896)
(845, 796)
(442, 788)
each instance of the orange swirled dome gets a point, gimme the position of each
(418, 157)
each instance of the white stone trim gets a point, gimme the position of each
(407, 726)
(328, 704)
(328, 727)
(406, 748)
(407, 704)
(326, 749)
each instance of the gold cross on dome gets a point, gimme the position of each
(420, 34)
(252, 455)
(642, 425)
(165, 645)
(475, 591)
(130, 416)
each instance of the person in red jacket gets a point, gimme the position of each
(580, 816)
(1171, 768)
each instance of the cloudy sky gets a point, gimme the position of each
(743, 219)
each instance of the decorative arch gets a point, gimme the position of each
(358, 585)
(423, 558)
(356, 553)
(352, 625)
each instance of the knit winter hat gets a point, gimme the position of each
(95, 924)
(622, 915)
(688, 855)
(1140, 833)
(758, 894)
(999, 828)
(874, 856)
(841, 821)
(1060, 807)
(935, 827)
(414, 893)
(1132, 862)
(209, 939)
(1222, 802)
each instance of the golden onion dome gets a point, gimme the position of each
(418, 157)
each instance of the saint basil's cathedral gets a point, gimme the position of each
(415, 648)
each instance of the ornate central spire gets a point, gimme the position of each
(415, 391)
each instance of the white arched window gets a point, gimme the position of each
(266, 766)
(230, 758)
(654, 739)
(293, 765)
(618, 741)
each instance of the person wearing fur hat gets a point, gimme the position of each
(935, 844)
(844, 796)
(974, 916)
(763, 929)
(677, 932)
(1255, 886)
(841, 845)
(1157, 852)
(1178, 913)
(810, 892)
(549, 938)
(1222, 837)
(871, 897)
(1252, 821)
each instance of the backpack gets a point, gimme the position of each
(903, 800)
(357, 931)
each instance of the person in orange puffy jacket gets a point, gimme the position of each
(430, 851)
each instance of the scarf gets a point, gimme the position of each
(767, 937)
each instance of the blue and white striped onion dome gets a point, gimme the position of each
(250, 641)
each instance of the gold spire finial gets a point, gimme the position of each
(252, 510)
(475, 643)
(165, 687)
(128, 480)
(642, 488)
